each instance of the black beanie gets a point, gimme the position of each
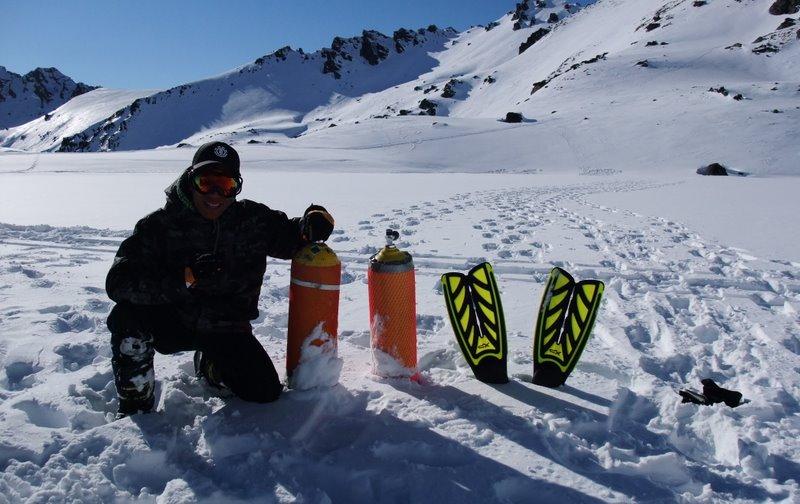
(218, 155)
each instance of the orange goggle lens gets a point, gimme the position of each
(221, 184)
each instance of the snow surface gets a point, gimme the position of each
(680, 306)
(702, 277)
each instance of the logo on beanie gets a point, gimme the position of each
(221, 151)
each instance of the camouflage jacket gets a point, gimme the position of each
(149, 266)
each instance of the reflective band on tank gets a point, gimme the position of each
(313, 285)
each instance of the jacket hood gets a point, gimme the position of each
(178, 194)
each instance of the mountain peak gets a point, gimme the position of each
(42, 90)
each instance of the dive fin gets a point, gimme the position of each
(566, 317)
(476, 314)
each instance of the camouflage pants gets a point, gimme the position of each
(137, 332)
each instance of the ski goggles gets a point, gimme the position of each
(224, 185)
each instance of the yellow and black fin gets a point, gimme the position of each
(565, 321)
(476, 313)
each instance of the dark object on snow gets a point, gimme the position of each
(538, 85)
(652, 26)
(428, 107)
(553, 18)
(643, 63)
(652, 43)
(449, 90)
(787, 23)
(738, 97)
(717, 394)
(490, 80)
(404, 112)
(765, 48)
(713, 169)
(721, 90)
(782, 7)
(712, 394)
(513, 117)
(533, 38)
(700, 3)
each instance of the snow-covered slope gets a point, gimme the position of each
(47, 132)
(617, 71)
(25, 97)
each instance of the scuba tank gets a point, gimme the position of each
(313, 302)
(392, 310)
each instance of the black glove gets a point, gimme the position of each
(316, 224)
(204, 272)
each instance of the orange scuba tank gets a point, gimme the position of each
(392, 310)
(313, 302)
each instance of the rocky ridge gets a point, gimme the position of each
(38, 92)
(328, 67)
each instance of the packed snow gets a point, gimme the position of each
(702, 280)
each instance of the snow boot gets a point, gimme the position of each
(204, 368)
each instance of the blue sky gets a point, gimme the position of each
(147, 44)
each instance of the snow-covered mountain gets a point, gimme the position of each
(279, 94)
(38, 92)
(584, 80)
(271, 95)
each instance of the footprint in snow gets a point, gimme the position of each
(18, 370)
(97, 305)
(429, 323)
(72, 321)
(489, 246)
(357, 338)
(76, 355)
(43, 415)
(31, 273)
(55, 309)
